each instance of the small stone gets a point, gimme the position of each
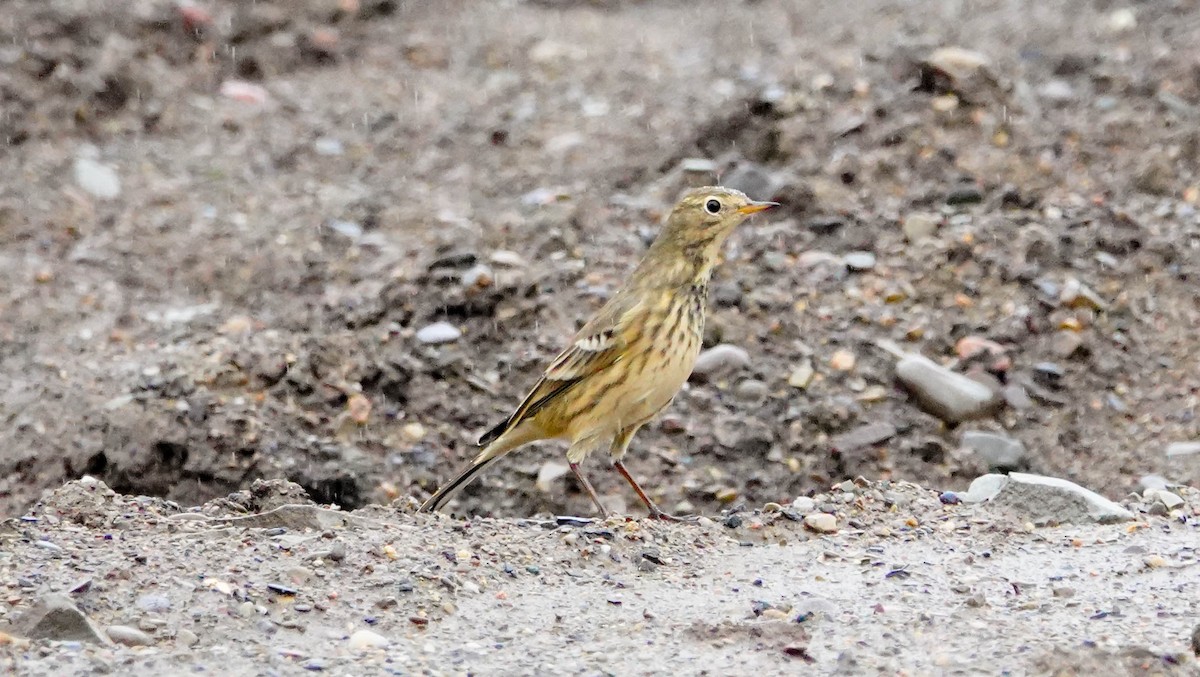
(413, 432)
(843, 360)
(548, 473)
(949, 498)
(1076, 294)
(1168, 500)
(439, 332)
(859, 261)
(129, 636)
(821, 522)
(804, 505)
(328, 146)
(948, 395)
(1122, 20)
(752, 390)
(508, 259)
(153, 603)
(1066, 344)
(363, 640)
(98, 180)
(1063, 592)
(478, 276)
(866, 435)
(802, 375)
(1046, 498)
(964, 194)
(997, 450)
(920, 225)
(56, 617)
(187, 637)
(720, 359)
(1057, 91)
(983, 488)
(1153, 482)
(1183, 449)
(697, 171)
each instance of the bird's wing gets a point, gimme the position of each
(597, 346)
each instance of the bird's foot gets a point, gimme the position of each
(666, 517)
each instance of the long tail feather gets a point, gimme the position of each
(452, 487)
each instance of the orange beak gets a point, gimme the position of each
(755, 207)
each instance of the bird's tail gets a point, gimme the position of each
(441, 496)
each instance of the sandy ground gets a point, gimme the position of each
(223, 226)
(907, 585)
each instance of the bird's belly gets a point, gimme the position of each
(645, 394)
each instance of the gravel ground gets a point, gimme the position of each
(900, 583)
(331, 241)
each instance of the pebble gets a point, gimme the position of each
(821, 522)
(1183, 449)
(1056, 91)
(347, 229)
(866, 435)
(720, 359)
(186, 637)
(1122, 20)
(363, 640)
(328, 146)
(438, 332)
(752, 390)
(948, 395)
(548, 473)
(919, 225)
(153, 603)
(96, 179)
(129, 636)
(1046, 498)
(965, 194)
(506, 258)
(802, 375)
(997, 450)
(1066, 344)
(1153, 482)
(1075, 294)
(478, 276)
(859, 261)
(843, 360)
(1167, 499)
(804, 505)
(56, 617)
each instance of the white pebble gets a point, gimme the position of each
(362, 640)
(821, 522)
(99, 180)
(129, 636)
(439, 332)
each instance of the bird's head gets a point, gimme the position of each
(704, 217)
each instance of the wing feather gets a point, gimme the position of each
(597, 346)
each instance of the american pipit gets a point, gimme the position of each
(628, 362)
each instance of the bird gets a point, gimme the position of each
(628, 362)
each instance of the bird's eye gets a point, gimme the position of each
(712, 206)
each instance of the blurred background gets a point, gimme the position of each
(333, 240)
